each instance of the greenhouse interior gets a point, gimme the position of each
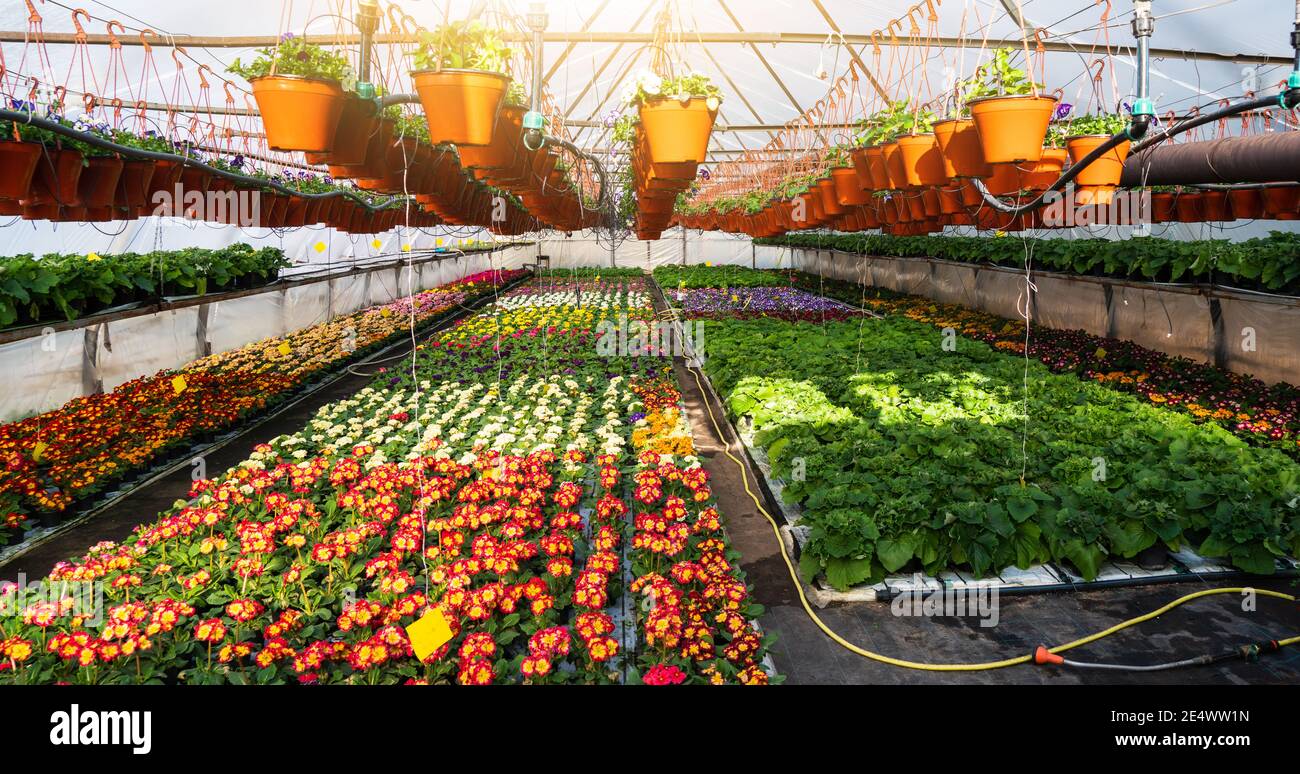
(650, 343)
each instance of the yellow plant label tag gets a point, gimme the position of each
(320, 247)
(439, 242)
(285, 349)
(429, 633)
(1100, 353)
(178, 384)
(38, 451)
(376, 244)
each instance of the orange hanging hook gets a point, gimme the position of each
(1039, 34)
(875, 45)
(81, 31)
(1101, 67)
(90, 101)
(225, 86)
(145, 34)
(1106, 13)
(113, 42)
(176, 52)
(203, 82)
(32, 16)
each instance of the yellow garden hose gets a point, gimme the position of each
(798, 584)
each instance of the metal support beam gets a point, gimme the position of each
(798, 108)
(738, 38)
(568, 49)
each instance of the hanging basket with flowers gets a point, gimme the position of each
(299, 91)
(461, 74)
(677, 115)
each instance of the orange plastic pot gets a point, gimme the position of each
(930, 202)
(1214, 206)
(848, 186)
(1281, 202)
(1098, 195)
(922, 161)
(505, 145)
(830, 202)
(915, 205)
(299, 113)
(56, 178)
(1106, 170)
(862, 167)
(357, 123)
(1038, 175)
(1162, 207)
(950, 199)
(1246, 204)
(876, 167)
(959, 144)
(1187, 208)
(1012, 129)
(133, 185)
(461, 105)
(895, 169)
(1004, 181)
(97, 186)
(677, 132)
(17, 167)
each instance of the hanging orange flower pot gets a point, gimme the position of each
(862, 167)
(1004, 181)
(1105, 170)
(1187, 208)
(501, 152)
(97, 186)
(930, 202)
(895, 169)
(877, 169)
(357, 122)
(1162, 207)
(950, 199)
(922, 161)
(299, 113)
(17, 167)
(1246, 204)
(461, 105)
(1281, 202)
(1214, 206)
(677, 132)
(1012, 129)
(830, 203)
(959, 144)
(1094, 195)
(57, 175)
(1039, 175)
(848, 186)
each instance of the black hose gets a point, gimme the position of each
(1206, 118)
(1287, 99)
(126, 150)
(1139, 127)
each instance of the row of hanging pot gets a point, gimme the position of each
(458, 163)
(672, 140)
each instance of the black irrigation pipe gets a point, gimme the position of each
(98, 505)
(139, 153)
(1140, 124)
(1286, 100)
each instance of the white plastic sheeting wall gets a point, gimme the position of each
(1250, 333)
(677, 247)
(44, 372)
